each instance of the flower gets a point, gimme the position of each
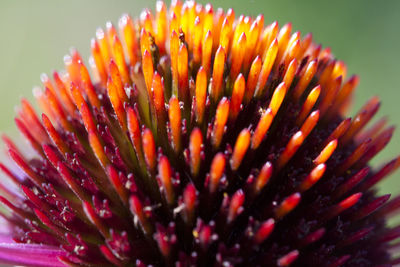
(198, 139)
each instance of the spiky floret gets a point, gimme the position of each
(200, 139)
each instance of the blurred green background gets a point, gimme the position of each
(365, 34)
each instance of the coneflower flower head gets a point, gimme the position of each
(195, 137)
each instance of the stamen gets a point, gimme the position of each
(216, 171)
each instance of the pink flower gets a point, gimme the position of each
(198, 139)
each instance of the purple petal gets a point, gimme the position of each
(4, 229)
(29, 254)
(5, 238)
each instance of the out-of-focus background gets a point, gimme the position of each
(35, 35)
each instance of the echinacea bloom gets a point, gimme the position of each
(195, 137)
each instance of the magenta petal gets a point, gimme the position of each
(5, 238)
(31, 255)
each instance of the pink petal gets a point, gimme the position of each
(4, 228)
(29, 254)
(5, 238)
